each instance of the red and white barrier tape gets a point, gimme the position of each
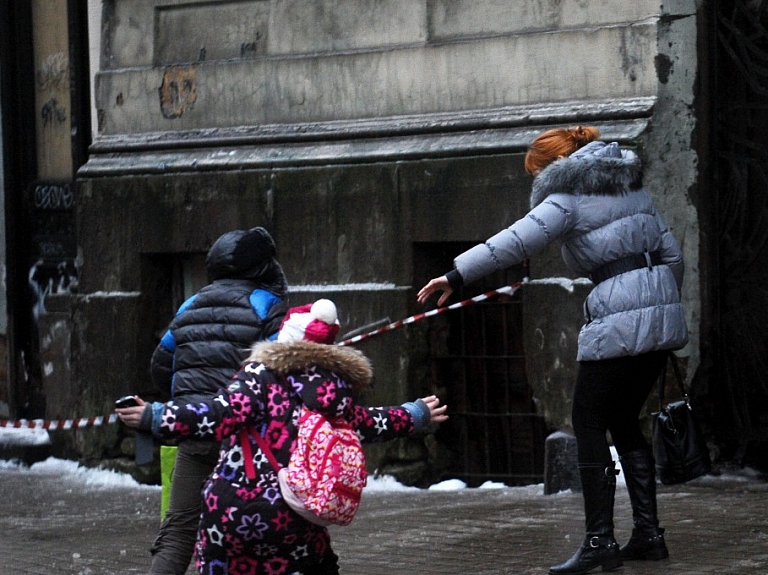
(59, 423)
(103, 420)
(506, 290)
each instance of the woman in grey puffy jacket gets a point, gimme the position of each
(588, 195)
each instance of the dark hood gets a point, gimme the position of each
(247, 254)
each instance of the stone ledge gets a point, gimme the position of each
(444, 123)
(241, 156)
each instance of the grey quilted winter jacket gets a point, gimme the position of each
(594, 204)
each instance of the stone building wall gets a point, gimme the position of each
(356, 131)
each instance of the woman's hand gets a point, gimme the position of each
(131, 416)
(434, 285)
(436, 411)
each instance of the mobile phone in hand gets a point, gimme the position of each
(144, 444)
(127, 401)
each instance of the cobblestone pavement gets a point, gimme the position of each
(52, 526)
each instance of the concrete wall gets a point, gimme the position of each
(342, 60)
(356, 129)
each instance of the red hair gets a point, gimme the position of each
(556, 143)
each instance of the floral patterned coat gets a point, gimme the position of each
(246, 528)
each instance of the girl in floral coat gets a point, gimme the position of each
(246, 527)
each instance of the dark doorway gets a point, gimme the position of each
(39, 210)
(738, 391)
(167, 281)
(25, 396)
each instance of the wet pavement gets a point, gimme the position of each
(52, 525)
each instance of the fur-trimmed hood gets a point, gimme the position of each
(597, 169)
(283, 358)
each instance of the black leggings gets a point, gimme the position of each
(608, 396)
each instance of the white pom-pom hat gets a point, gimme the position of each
(318, 322)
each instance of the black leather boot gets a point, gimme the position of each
(599, 549)
(647, 541)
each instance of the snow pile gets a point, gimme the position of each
(13, 436)
(71, 471)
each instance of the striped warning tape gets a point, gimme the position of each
(506, 290)
(58, 423)
(103, 420)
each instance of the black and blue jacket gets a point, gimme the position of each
(213, 330)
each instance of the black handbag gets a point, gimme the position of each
(679, 448)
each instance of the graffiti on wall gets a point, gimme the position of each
(52, 113)
(53, 196)
(52, 76)
(53, 72)
(46, 278)
(53, 248)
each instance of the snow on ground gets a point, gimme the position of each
(71, 470)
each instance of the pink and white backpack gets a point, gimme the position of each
(326, 473)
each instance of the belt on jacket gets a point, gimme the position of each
(624, 265)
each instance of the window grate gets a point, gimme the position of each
(478, 357)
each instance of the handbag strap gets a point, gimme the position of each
(678, 378)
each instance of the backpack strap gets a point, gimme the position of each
(245, 443)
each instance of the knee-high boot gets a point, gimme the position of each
(647, 541)
(599, 549)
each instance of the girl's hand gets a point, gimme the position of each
(131, 416)
(436, 411)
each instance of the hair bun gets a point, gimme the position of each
(584, 135)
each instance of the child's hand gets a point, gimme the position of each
(436, 411)
(131, 416)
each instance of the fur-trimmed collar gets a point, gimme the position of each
(283, 358)
(589, 176)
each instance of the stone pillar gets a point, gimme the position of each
(560, 464)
